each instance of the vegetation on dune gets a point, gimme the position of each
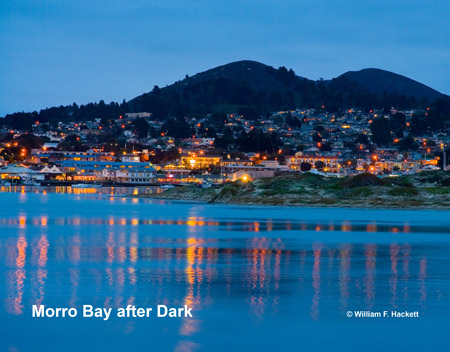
(366, 190)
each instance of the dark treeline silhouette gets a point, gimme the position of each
(249, 88)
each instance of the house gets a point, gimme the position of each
(126, 158)
(329, 163)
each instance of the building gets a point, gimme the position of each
(136, 172)
(17, 173)
(199, 161)
(328, 163)
(38, 156)
(126, 158)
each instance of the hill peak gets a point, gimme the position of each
(378, 81)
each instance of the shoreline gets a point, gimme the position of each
(355, 205)
(422, 191)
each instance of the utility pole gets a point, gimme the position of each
(444, 162)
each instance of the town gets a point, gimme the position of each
(138, 149)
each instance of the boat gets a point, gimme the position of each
(31, 183)
(86, 185)
(167, 186)
(430, 168)
(205, 185)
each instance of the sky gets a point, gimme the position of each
(56, 52)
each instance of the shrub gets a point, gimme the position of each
(362, 180)
(403, 192)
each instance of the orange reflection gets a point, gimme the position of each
(344, 275)
(22, 222)
(370, 252)
(194, 257)
(346, 226)
(20, 275)
(317, 249)
(371, 227)
(394, 249)
(44, 221)
(422, 278)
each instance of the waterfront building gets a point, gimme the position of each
(136, 172)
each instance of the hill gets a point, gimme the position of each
(258, 76)
(250, 84)
(379, 81)
(252, 89)
(225, 88)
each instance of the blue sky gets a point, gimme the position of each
(58, 52)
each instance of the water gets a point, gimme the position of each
(257, 278)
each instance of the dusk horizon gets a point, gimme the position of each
(110, 51)
(151, 85)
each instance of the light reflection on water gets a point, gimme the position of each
(263, 276)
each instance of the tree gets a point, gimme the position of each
(177, 128)
(293, 122)
(226, 140)
(381, 132)
(407, 143)
(72, 142)
(418, 124)
(362, 139)
(258, 141)
(218, 119)
(320, 165)
(316, 138)
(326, 147)
(141, 126)
(398, 124)
(305, 167)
